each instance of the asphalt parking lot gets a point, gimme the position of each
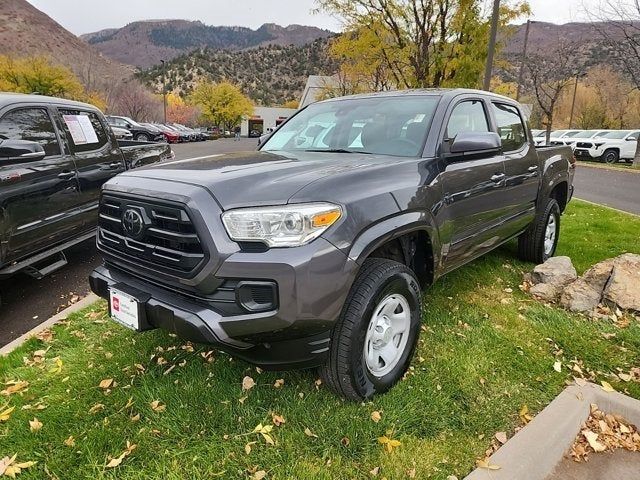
(27, 302)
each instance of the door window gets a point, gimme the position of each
(467, 116)
(84, 130)
(510, 126)
(32, 124)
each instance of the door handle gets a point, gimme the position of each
(66, 175)
(533, 168)
(497, 177)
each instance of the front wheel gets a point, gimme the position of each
(538, 242)
(374, 339)
(610, 156)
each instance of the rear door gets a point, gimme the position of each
(522, 168)
(473, 188)
(628, 150)
(97, 156)
(39, 199)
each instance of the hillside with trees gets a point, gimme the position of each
(269, 75)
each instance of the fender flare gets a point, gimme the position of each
(393, 227)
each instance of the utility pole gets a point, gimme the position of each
(164, 90)
(523, 60)
(492, 45)
(573, 103)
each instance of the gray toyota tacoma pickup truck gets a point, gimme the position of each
(314, 250)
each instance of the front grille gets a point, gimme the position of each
(168, 242)
(584, 145)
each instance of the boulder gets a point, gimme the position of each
(585, 293)
(548, 292)
(556, 270)
(623, 288)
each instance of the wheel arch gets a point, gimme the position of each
(409, 238)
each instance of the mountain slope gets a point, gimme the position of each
(269, 75)
(145, 43)
(25, 30)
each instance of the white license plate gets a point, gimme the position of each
(124, 309)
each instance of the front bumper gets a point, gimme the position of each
(587, 153)
(295, 334)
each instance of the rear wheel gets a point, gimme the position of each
(538, 243)
(610, 156)
(142, 137)
(374, 339)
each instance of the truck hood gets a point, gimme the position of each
(258, 178)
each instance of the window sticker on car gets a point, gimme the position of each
(81, 129)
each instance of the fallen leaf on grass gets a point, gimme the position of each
(158, 406)
(58, 365)
(6, 414)
(388, 443)
(10, 469)
(106, 383)
(278, 383)
(484, 463)
(248, 383)
(247, 447)
(557, 366)
(501, 437)
(96, 408)
(374, 471)
(376, 416)
(309, 433)
(277, 419)
(259, 475)
(625, 377)
(606, 386)
(524, 415)
(114, 462)
(70, 442)
(35, 424)
(14, 386)
(265, 431)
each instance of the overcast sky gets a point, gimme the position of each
(84, 16)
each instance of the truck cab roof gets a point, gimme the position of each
(9, 98)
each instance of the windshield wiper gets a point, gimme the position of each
(335, 150)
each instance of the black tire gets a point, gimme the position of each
(531, 243)
(610, 156)
(345, 370)
(629, 160)
(142, 137)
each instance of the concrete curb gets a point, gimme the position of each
(535, 451)
(85, 302)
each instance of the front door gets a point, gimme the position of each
(473, 190)
(38, 198)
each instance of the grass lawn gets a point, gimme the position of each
(609, 166)
(486, 350)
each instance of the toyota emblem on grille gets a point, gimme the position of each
(132, 222)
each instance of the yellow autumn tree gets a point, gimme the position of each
(39, 75)
(221, 103)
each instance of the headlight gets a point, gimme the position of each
(284, 226)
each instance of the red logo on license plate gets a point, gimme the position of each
(115, 304)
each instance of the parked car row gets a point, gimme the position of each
(126, 128)
(608, 146)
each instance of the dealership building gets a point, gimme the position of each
(265, 118)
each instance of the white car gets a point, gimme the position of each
(582, 136)
(558, 137)
(539, 136)
(611, 147)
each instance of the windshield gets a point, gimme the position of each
(617, 135)
(380, 125)
(581, 134)
(573, 134)
(557, 133)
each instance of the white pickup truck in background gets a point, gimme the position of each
(611, 147)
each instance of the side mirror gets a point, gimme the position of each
(476, 143)
(21, 150)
